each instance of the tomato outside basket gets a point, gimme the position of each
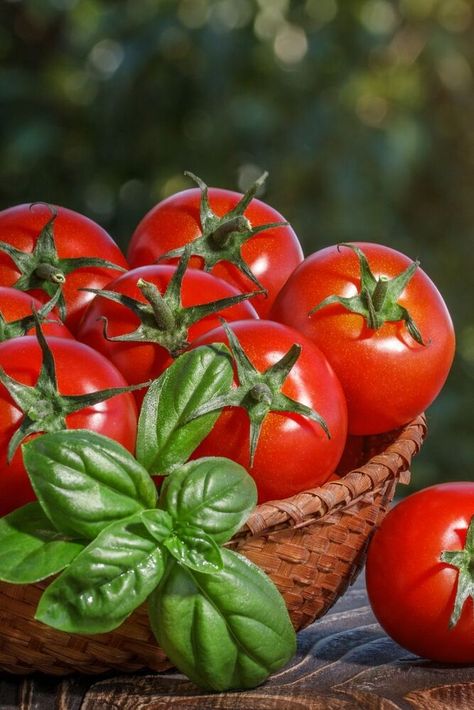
(312, 545)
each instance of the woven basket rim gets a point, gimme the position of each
(317, 503)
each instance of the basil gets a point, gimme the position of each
(224, 631)
(106, 581)
(31, 548)
(215, 494)
(194, 549)
(85, 481)
(165, 436)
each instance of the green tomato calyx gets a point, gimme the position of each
(163, 319)
(43, 269)
(44, 408)
(222, 238)
(463, 560)
(259, 393)
(17, 328)
(377, 300)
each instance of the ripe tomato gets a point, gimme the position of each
(293, 452)
(271, 254)
(74, 236)
(143, 359)
(79, 370)
(411, 590)
(17, 306)
(387, 376)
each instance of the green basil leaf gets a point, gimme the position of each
(224, 631)
(106, 581)
(194, 549)
(31, 548)
(159, 523)
(85, 481)
(214, 494)
(165, 436)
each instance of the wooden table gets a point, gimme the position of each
(344, 662)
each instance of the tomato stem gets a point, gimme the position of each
(163, 319)
(259, 393)
(380, 293)
(377, 299)
(49, 272)
(42, 268)
(221, 234)
(222, 237)
(45, 409)
(162, 312)
(464, 561)
(17, 328)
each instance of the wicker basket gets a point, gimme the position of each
(312, 545)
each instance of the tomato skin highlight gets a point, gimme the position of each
(79, 370)
(388, 378)
(411, 591)
(271, 255)
(293, 453)
(75, 235)
(139, 362)
(15, 304)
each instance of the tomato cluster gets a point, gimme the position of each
(353, 340)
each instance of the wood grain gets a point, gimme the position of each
(344, 661)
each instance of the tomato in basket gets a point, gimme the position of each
(382, 324)
(286, 421)
(237, 237)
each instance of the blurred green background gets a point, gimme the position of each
(361, 110)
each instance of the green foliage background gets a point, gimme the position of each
(362, 111)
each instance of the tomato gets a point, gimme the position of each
(79, 370)
(143, 359)
(71, 236)
(411, 590)
(271, 255)
(388, 377)
(17, 306)
(293, 452)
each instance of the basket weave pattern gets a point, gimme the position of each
(312, 545)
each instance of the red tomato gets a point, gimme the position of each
(271, 254)
(79, 370)
(141, 361)
(75, 236)
(15, 305)
(387, 376)
(411, 590)
(293, 452)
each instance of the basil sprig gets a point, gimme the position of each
(167, 435)
(106, 581)
(85, 481)
(31, 548)
(97, 523)
(225, 631)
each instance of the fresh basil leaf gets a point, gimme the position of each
(194, 549)
(31, 548)
(106, 581)
(165, 436)
(85, 481)
(214, 494)
(159, 523)
(224, 631)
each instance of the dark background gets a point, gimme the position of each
(361, 110)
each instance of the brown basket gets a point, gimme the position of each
(312, 545)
